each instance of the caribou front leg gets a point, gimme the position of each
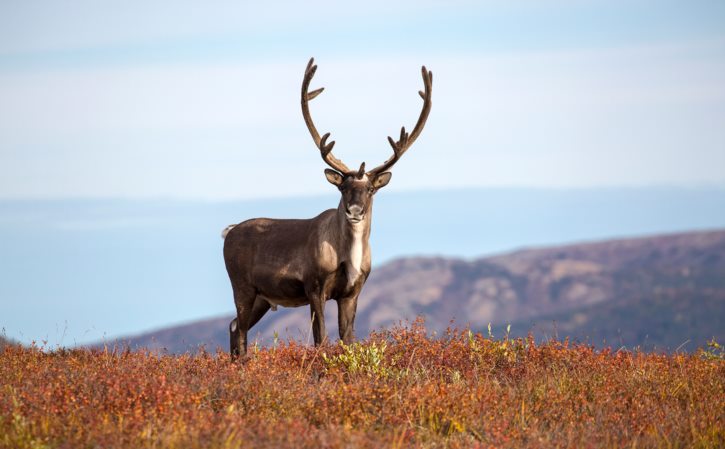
(346, 309)
(317, 316)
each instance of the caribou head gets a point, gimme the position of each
(358, 186)
(291, 263)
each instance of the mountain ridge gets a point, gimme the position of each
(164, 257)
(674, 283)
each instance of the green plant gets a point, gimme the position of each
(359, 358)
(714, 351)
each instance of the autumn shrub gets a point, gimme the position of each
(401, 387)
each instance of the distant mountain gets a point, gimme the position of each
(113, 258)
(657, 292)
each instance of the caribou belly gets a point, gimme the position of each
(285, 302)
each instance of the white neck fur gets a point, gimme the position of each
(355, 257)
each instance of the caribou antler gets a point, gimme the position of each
(406, 140)
(325, 148)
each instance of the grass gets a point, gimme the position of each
(398, 388)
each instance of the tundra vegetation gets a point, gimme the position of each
(398, 388)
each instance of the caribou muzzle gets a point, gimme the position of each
(354, 214)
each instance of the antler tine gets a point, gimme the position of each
(324, 147)
(406, 140)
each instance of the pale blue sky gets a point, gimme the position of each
(184, 100)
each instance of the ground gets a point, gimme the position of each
(399, 388)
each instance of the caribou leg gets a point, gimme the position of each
(244, 301)
(317, 316)
(258, 310)
(234, 338)
(260, 307)
(346, 309)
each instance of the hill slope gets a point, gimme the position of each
(658, 292)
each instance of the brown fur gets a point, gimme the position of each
(294, 263)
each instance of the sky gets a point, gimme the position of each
(132, 132)
(183, 100)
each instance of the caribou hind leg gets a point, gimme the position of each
(260, 307)
(244, 301)
(234, 338)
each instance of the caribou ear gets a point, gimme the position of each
(382, 180)
(333, 177)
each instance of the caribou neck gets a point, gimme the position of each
(353, 242)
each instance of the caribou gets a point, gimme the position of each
(298, 262)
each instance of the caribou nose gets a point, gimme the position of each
(354, 211)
